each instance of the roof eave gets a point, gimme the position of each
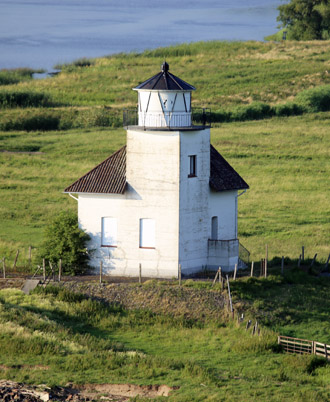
(88, 193)
(228, 189)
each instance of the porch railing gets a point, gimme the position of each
(243, 254)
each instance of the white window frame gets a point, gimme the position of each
(147, 237)
(109, 228)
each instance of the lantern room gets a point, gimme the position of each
(164, 100)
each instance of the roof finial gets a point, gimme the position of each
(165, 67)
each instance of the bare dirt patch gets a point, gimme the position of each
(28, 366)
(11, 391)
(126, 390)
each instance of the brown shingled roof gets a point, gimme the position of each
(109, 177)
(222, 176)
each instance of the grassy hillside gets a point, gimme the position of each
(227, 75)
(224, 73)
(285, 160)
(55, 337)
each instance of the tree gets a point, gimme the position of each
(64, 240)
(306, 19)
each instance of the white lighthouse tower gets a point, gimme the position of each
(167, 197)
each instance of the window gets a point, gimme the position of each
(214, 228)
(192, 166)
(109, 232)
(147, 233)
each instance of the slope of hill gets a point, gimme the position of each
(284, 159)
(55, 336)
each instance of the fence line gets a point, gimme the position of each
(304, 346)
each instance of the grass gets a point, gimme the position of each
(284, 160)
(55, 337)
(226, 74)
(295, 304)
(16, 75)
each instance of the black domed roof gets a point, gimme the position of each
(164, 80)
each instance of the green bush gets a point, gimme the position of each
(15, 75)
(31, 122)
(254, 111)
(315, 99)
(288, 109)
(220, 116)
(54, 119)
(82, 62)
(64, 240)
(11, 99)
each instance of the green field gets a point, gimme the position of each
(285, 160)
(225, 74)
(56, 337)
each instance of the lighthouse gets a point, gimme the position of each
(167, 198)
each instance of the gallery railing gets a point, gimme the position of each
(198, 118)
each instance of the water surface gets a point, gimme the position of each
(41, 33)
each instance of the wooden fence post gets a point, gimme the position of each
(235, 272)
(15, 261)
(314, 259)
(266, 261)
(327, 263)
(179, 274)
(282, 265)
(52, 270)
(140, 273)
(252, 265)
(220, 275)
(44, 269)
(4, 267)
(302, 253)
(101, 269)
(229, 295)
(215, 278)
(60, 270)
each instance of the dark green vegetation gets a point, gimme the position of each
(54, 336)
(16, 75)
(296, 304)
(306, 19)
(66, 242)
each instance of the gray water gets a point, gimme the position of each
(42, 33)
